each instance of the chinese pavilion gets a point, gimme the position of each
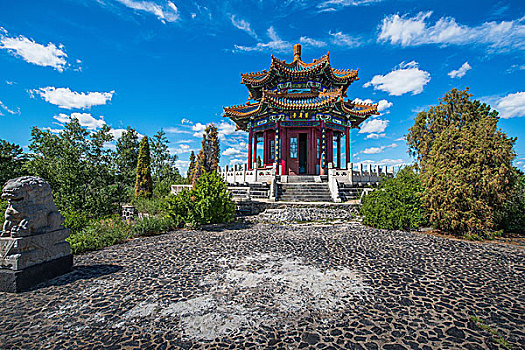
(299, 117)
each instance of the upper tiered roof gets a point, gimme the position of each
(318, 71)
(300, 88)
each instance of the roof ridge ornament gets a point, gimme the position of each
(297, 52)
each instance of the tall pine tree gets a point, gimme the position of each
(191, 167)
(208, 157)
(143, 185)
(465, 163)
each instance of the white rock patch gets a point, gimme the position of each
(252, 291)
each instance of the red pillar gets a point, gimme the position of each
(339, 150)
(347, 148)
(250, 137)
(284, 150)
(254, 150)
(324, 147)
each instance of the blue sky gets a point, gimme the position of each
(174, 64)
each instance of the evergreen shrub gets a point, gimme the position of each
(395, 204)
(512, 218)
(209, 202)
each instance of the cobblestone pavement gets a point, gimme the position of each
(270, 286)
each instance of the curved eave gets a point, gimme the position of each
(258, 79)
(365, 110)
(236, 111)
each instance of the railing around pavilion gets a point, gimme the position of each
(240, 174)
(355, 174)
(360, 174)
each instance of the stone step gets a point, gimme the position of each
(304, 191)
(305, 199)
(303, 178)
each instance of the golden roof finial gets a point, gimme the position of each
(297, 52)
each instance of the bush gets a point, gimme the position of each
(152, 206)
(3, 207)
(395, 204)
(209, 202)
(152, 225)
(512, 219)
(76, 221)
(99, 234)
(181, 208)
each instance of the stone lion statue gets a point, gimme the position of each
(31, 209)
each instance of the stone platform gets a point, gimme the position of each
(268, 286)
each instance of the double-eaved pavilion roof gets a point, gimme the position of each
(284, 88)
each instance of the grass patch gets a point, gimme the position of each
(102, 233)
(496, 337)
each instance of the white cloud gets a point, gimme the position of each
(384, 105)
(167, 12)
(54, 131)
(4, 108)
(407, 78)
(458, 73)
(375, 126)
(85, 119)
(65, 98)
(182, 165)
(237, 161)
(117, 133)
(402, 138)
(512, 105)
(198, 129)
(375, 150)
(341, 39)
(224, 129)
(276, 44)
(30, 51)
(311, 42)
(374, 136)
(334, 5)
(410, 31)
(186, 121)
(227, 129)
(175, 130)
(232, 152)
(244, 26)
(182, 148)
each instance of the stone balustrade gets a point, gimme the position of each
(355, 174)
(239, 174)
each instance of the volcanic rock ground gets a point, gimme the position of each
(277, 286)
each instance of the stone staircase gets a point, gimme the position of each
(348, 192)
(303, 192)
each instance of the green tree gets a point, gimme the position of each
(512, 219)
(465, 163)
(208, 157)
(396, 203)
(127, 151)
(163, 169)
(77, 166)
(191, 168)
(12, 161)
(143, 185)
